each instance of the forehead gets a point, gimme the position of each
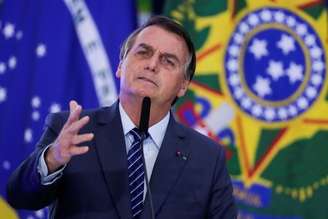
(163, 40)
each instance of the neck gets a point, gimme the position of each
(132, 106)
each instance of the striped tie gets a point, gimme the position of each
(136, 173)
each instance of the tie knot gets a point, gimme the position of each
(137, 135)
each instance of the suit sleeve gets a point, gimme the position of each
(24, 188)
(222, 205)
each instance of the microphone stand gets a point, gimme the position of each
(148, 193)
(143, 127)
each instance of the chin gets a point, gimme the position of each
(145, 92)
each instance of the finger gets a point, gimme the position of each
(77, 125)
(82, 138)
(75, 150)
(72, 105)
(74, 115)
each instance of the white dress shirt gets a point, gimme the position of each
(151, 144)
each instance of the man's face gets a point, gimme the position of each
(155, 66)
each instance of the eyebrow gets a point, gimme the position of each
(169, 55)
(145, 46)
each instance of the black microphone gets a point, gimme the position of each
(143, 128)
(144, 116)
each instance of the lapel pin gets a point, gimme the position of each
(179, 154)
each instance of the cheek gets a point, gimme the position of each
(172, 84)
(123, 73)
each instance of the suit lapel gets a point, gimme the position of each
(169, 165)
(110, 146)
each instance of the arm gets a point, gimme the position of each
(46, 178)
(25, 189)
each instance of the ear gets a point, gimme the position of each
(119, 70)
(183, 88)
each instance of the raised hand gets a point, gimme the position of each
(65, 146)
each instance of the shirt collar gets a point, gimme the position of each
(156, 131)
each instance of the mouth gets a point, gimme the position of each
(147, 80)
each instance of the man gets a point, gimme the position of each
(83, 166)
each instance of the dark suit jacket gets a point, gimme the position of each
(194, 184)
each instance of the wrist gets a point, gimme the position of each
(51, 162)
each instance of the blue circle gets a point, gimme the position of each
(254, 68)
(243, 68)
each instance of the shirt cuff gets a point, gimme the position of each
(43, 170)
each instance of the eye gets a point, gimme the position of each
(143, 52)
(167, 61)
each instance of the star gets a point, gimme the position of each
(286, 44)
(262, 86)
(316, 52)
(238, 38)
(234, 79)
(8, 30)
(3, 94)
(36, 102)
(12, 62)
(54, 108)
(309, 40)
(253, 19)
(244, 28)
(318, 66)
(246, 103)
(292, 110)
(291, 21)
(2, 67)
(257, 110)
(41, 50)
(302, 103)
(35, 115)
(316, 79)
(269, 114)
(301, 29)
(6, 165)
(234, 51)
(266, 15)
(238, 93)
(259, 48)
(232, 65)
(28, 135)
(279, 16)
(282, 113)
(294, 72)
(275, 69)
(311, 92)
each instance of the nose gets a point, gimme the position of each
(153, 63)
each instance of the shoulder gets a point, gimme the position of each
(63, 115)
(201, 144)
(57, 120)
(205, 156)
